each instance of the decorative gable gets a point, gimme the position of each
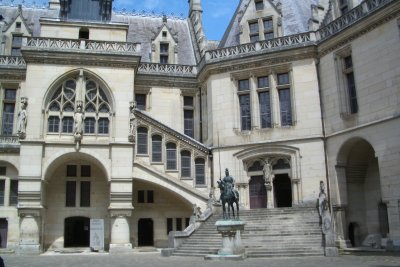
(260, 20)
(164, 46)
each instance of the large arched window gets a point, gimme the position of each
(64, 101)
(200, 171)
(185, 164)
(156, 155)
(171, 156)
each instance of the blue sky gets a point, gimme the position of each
(216, 16)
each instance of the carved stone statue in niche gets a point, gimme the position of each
(132, 122)
(22, 119)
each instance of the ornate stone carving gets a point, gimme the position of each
(22, 119)
(132, 122)
(78, 122)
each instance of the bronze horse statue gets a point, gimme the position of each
(229, 195)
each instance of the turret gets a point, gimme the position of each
(196, 23)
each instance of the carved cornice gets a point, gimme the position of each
(165, 81)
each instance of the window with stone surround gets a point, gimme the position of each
(188, 115)
(13, 193)
(268, 28)
(142, 134)
(156, 148)
(200, 171)
(77, 187)
(244, 103)
(259, 4)
(186, 164)
(2, 191)
(79, 90)
(254, 31)
(171, 156)
(285, 102)
(264, 99)
(8, 111)
(346, 82)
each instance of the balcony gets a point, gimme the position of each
(9, 143)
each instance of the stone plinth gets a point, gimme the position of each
(232, 248)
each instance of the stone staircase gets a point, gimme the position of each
(279, 232)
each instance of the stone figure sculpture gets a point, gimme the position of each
(132, 122)
(229, 195)
(22, 119)
(78, 123)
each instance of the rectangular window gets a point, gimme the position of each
(244, 85)
(140, 101)
(188, 114)
(263, 82)
(285, 107)
(164, 52)
(283, 79)
(259, 4)
(85, 194)
(254, 31)
(141, 196)
(2, 191)
(103, 125)
(13, 192)
(200, 171)
(3, 170)
(268, 29)
(171, 156)
(71, 171)
(150, 196)
(178, 224)
(156, 148)
(245, 112)
(90, 125)
(142, 140)
(8, 111)
(67, 124)
(350, 83)
(85, 171)
(16, 45)
(170, 226)
(265, 109)
(53, 124)
(70, 198)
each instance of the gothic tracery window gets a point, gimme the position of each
(63, 103)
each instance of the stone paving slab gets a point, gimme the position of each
(155, 260)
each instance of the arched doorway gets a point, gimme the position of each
(282, 191)
(76, 191)
(365, 212)
(258, 192)
(76, 232)
(145, 232)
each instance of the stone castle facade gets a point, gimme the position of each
(133, 118)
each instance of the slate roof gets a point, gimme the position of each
(142, 29)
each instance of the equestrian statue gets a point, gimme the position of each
(229, 195)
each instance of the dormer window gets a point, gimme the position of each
(259, 4)
(254, 31)
(164, 51)
(84, 33)
(268, 28)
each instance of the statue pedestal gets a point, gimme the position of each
(232, 248)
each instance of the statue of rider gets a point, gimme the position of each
(229, 183)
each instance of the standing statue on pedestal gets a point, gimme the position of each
(22, 119)
(132, 122)
(229, 195)
(78, 123)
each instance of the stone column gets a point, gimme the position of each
(120, 232)
(29, 241)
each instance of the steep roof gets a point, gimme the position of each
(295, 16)
(142, 29)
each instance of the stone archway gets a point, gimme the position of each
(76, 191)
(360, 193)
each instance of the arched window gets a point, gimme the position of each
(171, 156)
(142, 140)
(156, 155)
(281, 164)
(185, 164)
(64, 101)
(200, 171)
(257, 166)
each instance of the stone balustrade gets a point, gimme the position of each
(12, 61)
(75, 44)
(169, 69)
(9, 143)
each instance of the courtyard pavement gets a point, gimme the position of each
(151, 259)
